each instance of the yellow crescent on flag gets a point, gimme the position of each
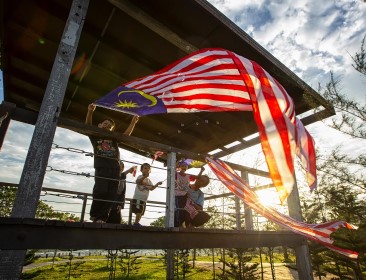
(143, 94)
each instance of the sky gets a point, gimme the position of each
(320, 37)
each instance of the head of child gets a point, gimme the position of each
(145, 169)
(202, 181)
(183, 166)
(107, 124)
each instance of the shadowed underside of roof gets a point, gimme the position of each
(124, 40)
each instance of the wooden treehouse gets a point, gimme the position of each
(115, 41)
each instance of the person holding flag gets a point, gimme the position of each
(107, 167)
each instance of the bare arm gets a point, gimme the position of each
(128, 171)
(156, 185)
(201, 171)
(89, 114)
(131, 127)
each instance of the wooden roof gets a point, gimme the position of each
(124, 40)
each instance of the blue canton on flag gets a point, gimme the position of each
(132, 101)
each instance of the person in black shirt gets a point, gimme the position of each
(115, 216)
(107, 167)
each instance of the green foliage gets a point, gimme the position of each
(159, 222)
(360, 59)
(129, 263)
(318, 258)
(218, 220)
(29, 257)
(342, 185)
(97, 270)
(353, 239)
(343, 203)
(44, 211)
(7, 196)
(239, 265)
(181, 267)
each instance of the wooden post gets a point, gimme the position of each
(169, 213)
(303, 263)
(170, 195)
(237, 212)
(130, 214)
(31, 180)
(6, 110)
(85, 200)
(248, 214)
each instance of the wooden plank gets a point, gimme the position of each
(32, 233)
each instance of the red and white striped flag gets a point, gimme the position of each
(218, 80)
(305, 150)
(156, 155)
(317, 232)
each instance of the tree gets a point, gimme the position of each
(7, 196)
(343, 180)
(341, 183)
(159, 222)
(350, 120)
(129, 262)
(44, 211)
(239, 265)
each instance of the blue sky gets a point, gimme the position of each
(310, 37)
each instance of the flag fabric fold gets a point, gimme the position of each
(219, 80)
(305, 150)
(317, 232)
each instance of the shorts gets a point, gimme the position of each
(186, 211)
(138, 206)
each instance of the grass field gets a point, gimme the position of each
(97, 269)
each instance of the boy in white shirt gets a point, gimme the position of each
(142, 190)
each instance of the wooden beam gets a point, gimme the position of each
(20, 234)
(243, 145)
(249, 170)
(262, 187)
(6, 110)
(154, 25)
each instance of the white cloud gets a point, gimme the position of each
(320, 36)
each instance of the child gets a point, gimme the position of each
(182, 182)
(115, 213)
(183, 179)
(190, 206)
(106, 165)
(143, 188)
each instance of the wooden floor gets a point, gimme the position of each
(19, 234)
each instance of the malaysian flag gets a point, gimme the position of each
(219, 80)
(317, 232)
